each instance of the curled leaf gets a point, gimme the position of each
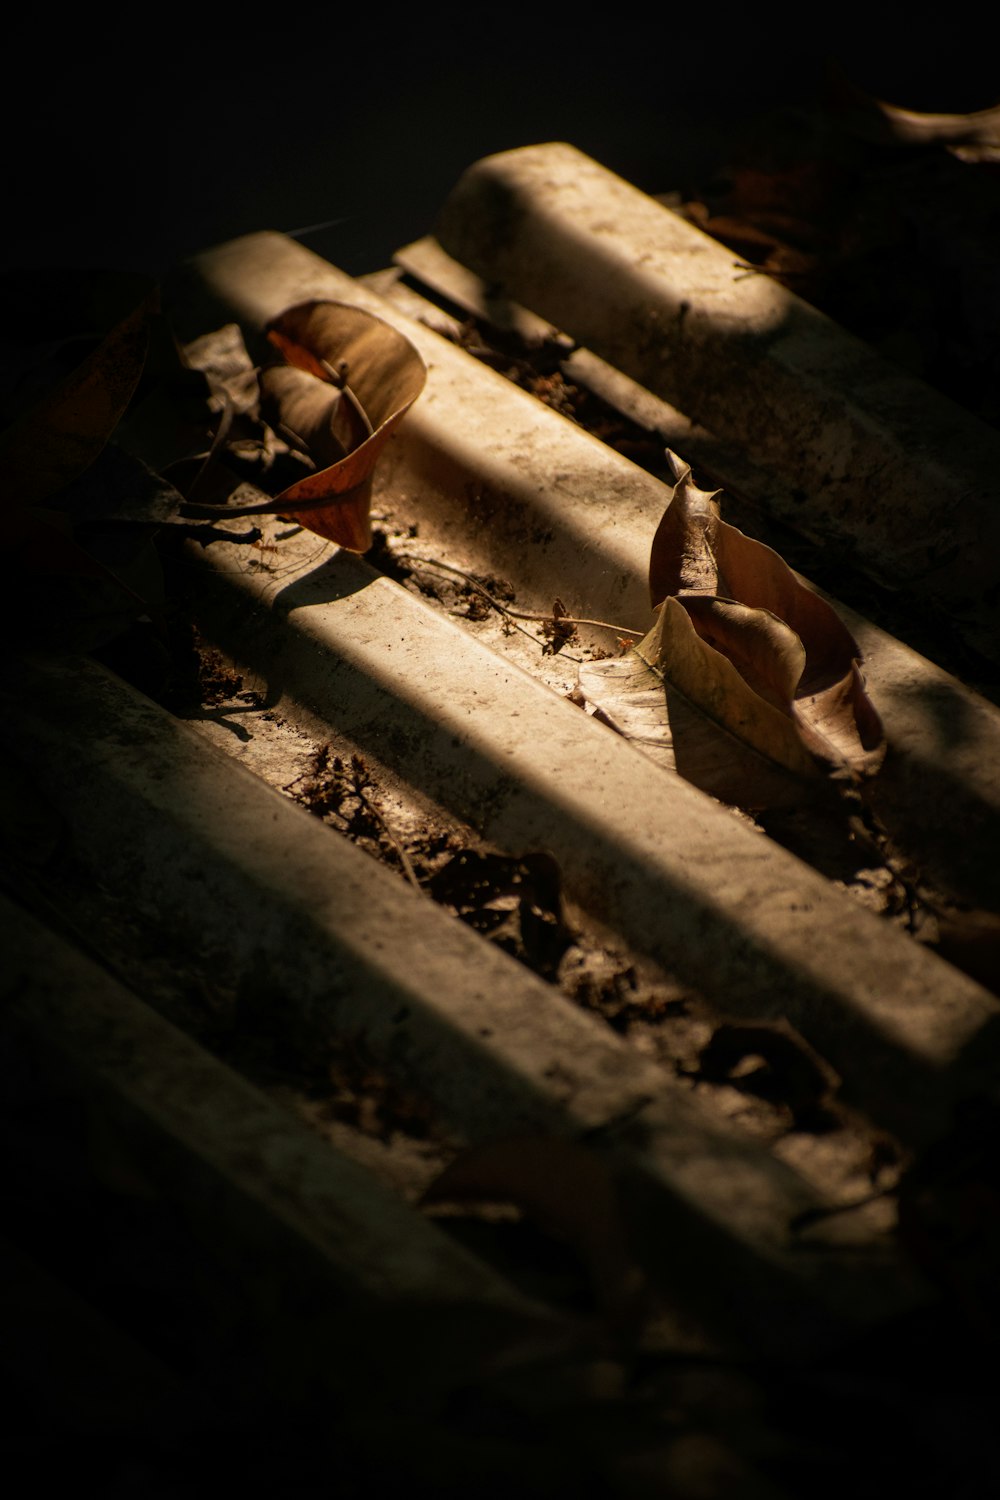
(686, 706)
(319, 416)
(974, 136)
(787, 643)
(765, 651)
(748, 683)
(355, 377)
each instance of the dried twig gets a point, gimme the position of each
(329, 780)
(550, 619)
(400, 852)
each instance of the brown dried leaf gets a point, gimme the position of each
(316, 414)
(569, 1192)
(367, 375)
(787, 643)
(649, 696)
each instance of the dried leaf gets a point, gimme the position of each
(318, 415)
(569, 1192)
(747, 676)
(106, 580)
(176, 411)
(789, 1071)
(221, 358)
(65, 423)
(787, 643)
(972, 137)
(695, 551)
(366, 377)
(43, 542)
(686, 705)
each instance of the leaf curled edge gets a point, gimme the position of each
(703, 561)
(675, 652)
(379, 374)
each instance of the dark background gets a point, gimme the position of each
(135, 138)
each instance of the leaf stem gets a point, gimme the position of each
(505, 609)
(387, 832)
(338, 377)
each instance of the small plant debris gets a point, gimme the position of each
(558, 631)
(328, 784)
(332, 788)
(516, 903)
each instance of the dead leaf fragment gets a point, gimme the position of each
(59, 431)
(695, 551)
(773, 1061)
(685, 705)
(674, 651)
(569, 1192)
(364, 376)
(317, 415)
